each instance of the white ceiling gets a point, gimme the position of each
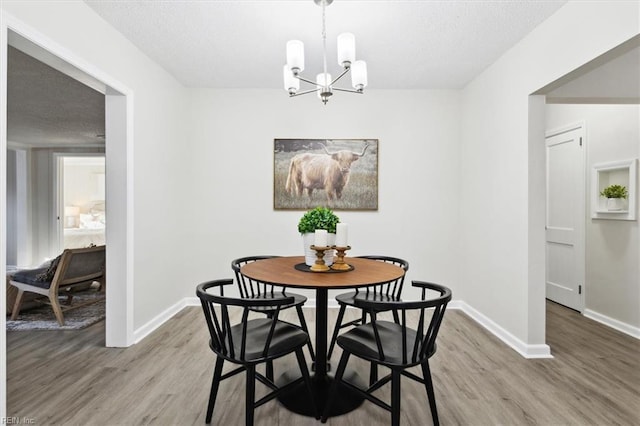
(407, 44)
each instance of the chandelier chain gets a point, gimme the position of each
(324, 42)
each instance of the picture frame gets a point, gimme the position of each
(341, 174)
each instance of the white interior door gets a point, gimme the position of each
(565, 225)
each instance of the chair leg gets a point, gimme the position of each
(428, 383)
(251, 394)
(17, 305)
(373, 373)
(303, 324)
(334, 387)
(269, 370)
(55, 304)
(269, 364)
(336, 330)
(307, 380)
(395, 397)
(215, 383)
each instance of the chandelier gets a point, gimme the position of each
(324, 85)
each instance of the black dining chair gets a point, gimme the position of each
(252, 289)
(390, 291)
(249, 343)
(394, 345)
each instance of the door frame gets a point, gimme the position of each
(581, 228)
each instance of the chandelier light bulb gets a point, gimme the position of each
(323, 81)
(295, 56)
(291, 83)
(346, 49)
(359, 75)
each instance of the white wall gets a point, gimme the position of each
(41, 190)
(230, 213)
(502, 166)
(612, 286)
(81, 185)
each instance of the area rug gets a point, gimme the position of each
(42, 318)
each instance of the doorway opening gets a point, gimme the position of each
(81, 205)
(604, 97)
(118, 172)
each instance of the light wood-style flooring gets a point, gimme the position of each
(69, 378)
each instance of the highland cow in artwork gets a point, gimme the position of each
(338, 173)
(329, 172)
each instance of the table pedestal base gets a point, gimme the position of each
(298, 399)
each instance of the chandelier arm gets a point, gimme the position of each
(306, 92)
(299, 77)
(360, 92)
(346, 70)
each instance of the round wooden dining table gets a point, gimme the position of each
(291, 272)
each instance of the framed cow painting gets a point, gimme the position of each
(341, 174)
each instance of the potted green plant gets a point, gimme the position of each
(615, 194)
(318, 218)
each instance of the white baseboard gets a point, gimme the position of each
(160, 319)
(613, 323)
(524, 349)
(191, 301)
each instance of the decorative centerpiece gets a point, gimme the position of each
(614, 195)
(319, 265)
(341, 247)
(320, 218)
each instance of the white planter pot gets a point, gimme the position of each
(615, 204)
(310, 255)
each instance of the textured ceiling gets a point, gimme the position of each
(47, 107)
(407, 44)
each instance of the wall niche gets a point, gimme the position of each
(614, 173)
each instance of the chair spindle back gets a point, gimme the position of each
(219, 323)
(249, 287)
(392, 289)
(423, 345)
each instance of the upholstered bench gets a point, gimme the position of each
(73, 268)
(29, 300)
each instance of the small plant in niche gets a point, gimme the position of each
(318, 218)
(615, 191)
